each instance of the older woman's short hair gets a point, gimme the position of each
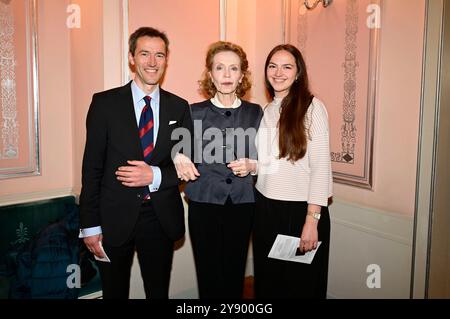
(207, 86)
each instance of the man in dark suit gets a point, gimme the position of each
(130, 199)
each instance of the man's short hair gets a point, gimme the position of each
(146, 32)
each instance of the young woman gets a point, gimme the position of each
(294, 181)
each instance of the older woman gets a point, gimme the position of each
(220, 191)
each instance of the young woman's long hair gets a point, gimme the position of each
(292, 131)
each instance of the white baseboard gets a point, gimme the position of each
(13, 199)
(373, 221)
(363, 237)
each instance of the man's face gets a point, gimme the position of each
(149, 60)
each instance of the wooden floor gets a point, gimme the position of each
(248, 288)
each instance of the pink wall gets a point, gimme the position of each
(397, 111)
(55, 105)
(190, 26)
(87, 74)
(257, 27)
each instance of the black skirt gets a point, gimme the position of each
(286, 279)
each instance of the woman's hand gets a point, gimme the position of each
(186, 170)
(310, 235)
(243, 166)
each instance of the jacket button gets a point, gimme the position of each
(139, 196)
(228, 180)
(228, 113)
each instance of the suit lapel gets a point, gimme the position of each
(163, 130)
(129, 126)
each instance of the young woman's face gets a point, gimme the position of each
(282, 72)
(226, 72)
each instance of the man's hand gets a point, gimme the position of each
(138, 174)
(93, 244)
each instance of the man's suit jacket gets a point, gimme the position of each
(112, 139)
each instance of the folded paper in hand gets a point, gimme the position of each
(106, 258)
(285, 248)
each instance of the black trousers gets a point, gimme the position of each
(155, 253)
(220, 237)
(286, 279)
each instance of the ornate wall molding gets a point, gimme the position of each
(348, 67)
(9, 122)
(19, 94)
(350, 64)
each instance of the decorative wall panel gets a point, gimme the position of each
(19, 111)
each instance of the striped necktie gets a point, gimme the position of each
(146, 134)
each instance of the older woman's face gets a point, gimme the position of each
(282, 72)
(226, 73)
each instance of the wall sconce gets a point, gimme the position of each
(325, 4)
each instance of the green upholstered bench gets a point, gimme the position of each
(38, 240)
